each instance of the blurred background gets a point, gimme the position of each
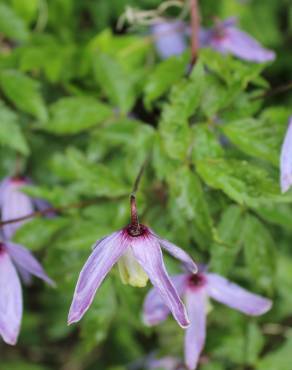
(83, 103)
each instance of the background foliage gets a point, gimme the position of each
(83, 105)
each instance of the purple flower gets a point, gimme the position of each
(138, 252)
(15, 204)
(195, 290)
(14, 260)
(170, 38)
(225, 37)
(286, 160)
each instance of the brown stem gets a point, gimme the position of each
(82, 204)
(195, 27)
(134, 215)
(274, 91)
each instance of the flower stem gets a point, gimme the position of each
(195, 27)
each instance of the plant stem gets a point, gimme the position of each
(195, 27)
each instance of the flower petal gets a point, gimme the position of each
(226, 292)
(180, 254)
(10, 300)
(155, 310)
(196, 302)
(101, 260)
(169, 38)
(14, 204)
(27, 262)
(245, 47)
(286, 160)
(148, 253)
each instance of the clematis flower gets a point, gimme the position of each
(195, 290)
(286, 160)
(225, 37)
(15, 260)
(170, 38)
(137, 250)
(15, 204)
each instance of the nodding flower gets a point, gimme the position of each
(15, 260)
(137, 251)
(225, 37)
(286, 160)
(169, 38)
(15, 204)
(195, 291)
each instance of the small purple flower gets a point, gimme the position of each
(14, 260)
(225, 37)
(138, 252)
(15, 204)
(286, 159)
(195, 290)
(170, 38)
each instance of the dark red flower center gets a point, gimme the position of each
(2, 248)
(136, 230)
(18, 180)
(197, 280)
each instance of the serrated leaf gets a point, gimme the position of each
(206, 144)
(11, 25)
(187, 197)
(10, 131)
(24, 92)
(164, 75)
(259, 251)
(114, 81)
(257, 137)
(73, 115)
(229, 240)
(242, 181)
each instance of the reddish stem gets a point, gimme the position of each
(135, 226)
(195, 27)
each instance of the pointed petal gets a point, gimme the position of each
(14, 205)
(10, 300)
(27, 262)
(99, 263)
(154, 309)
(169, 38)
(245, 47)
(286, 160)
(226, 292)
(148, 253)
(25, 276)
(195, 336)
(179, 254)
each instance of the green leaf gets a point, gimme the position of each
(10, 132)
(257, 137)
(26, 9)
(281, 358)
(259, 251)
(205, 143)
(73, 115)
(188, 200)
(114, 81)
(255, 342)
(23, 91)
(164, 75)
(242, 181)
(95, 178)
(11, 25)
(228, 240)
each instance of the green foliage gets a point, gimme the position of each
(83, 104)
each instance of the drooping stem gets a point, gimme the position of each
(135, 226)
(195, 29)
